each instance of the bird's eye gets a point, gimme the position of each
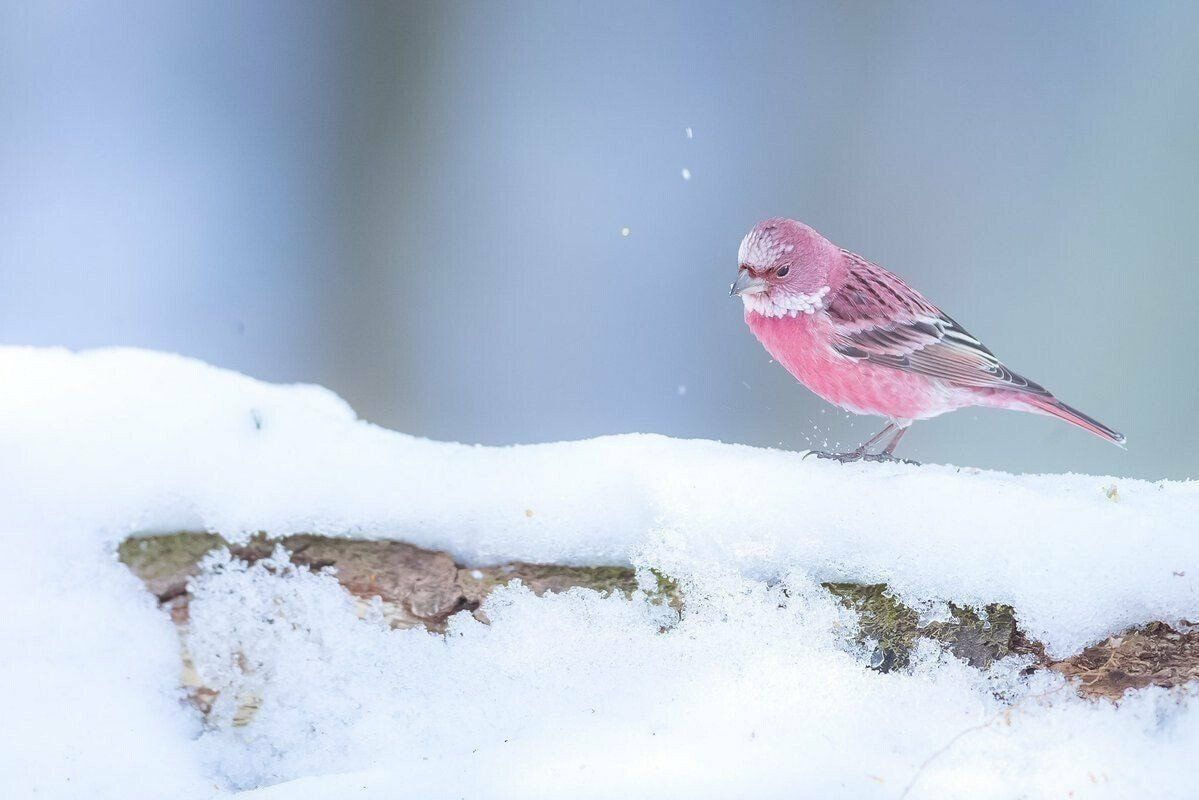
(782, 271)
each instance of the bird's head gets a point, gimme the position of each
(784, 269)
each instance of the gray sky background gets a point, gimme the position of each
(420, 205)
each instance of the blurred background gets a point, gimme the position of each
(517, 222)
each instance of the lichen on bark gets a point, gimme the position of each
(419, 587)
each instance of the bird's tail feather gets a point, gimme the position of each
(1056, 408)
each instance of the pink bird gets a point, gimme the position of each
(864, 340)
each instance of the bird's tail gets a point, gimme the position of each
(1056, 408)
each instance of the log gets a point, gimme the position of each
(419, 587)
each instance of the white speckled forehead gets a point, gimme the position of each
(760, 248)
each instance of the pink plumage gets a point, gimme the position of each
(862, 339)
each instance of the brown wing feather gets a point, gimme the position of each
(879, 318)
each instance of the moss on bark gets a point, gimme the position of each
(424, 587)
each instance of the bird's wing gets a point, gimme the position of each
(879, 318)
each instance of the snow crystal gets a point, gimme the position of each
(755, 688)
(686, 174)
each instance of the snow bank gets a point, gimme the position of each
(115, 441)
(754, 691)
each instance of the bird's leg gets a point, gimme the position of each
(888, 452)
(890, 448)
(860, 453)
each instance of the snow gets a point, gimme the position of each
(755, 690)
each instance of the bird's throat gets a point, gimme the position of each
(777, 303)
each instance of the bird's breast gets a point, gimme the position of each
(803, 345)
(799, 343)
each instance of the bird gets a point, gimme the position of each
(862, 339)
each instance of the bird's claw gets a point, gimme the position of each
(858, 455)
(887, 458)
(844, 458)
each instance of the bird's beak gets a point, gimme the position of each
(747, 284)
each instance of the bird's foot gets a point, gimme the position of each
(887, 458)
(860, 455)
(844, 458)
